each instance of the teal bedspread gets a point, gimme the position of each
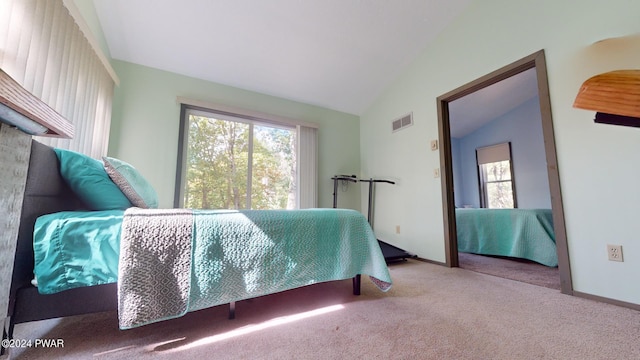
(235, 255)
(519, 233)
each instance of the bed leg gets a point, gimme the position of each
(232, 310)
(356, 285)
(7, 333)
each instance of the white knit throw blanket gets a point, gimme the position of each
(154, 274)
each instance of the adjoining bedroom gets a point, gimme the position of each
(220, 179)
(499, 162)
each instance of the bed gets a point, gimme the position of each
(211, 260)
(517, 233)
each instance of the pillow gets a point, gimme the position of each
(134, 186)
(90, 182)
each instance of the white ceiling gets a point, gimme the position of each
(337, 54)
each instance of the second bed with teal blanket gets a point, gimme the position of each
(518, 233)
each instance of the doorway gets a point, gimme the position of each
(534, 61)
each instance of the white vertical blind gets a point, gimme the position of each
(307, 167)
(43, 49)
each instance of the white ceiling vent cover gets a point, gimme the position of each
(403, 122)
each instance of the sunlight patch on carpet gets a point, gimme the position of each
(258, 327)
(124, 348)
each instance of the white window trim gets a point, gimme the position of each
(248, 114)
(491, 154)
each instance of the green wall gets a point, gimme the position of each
(598, 164)
(146, 117)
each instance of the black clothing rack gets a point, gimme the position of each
(337, 178)
(391, 253)
(371, 186)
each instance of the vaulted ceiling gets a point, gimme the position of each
(337, 54)
(469, 113)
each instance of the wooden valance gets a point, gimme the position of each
(18, 99)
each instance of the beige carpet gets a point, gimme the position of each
(515, 269)
(432, 312)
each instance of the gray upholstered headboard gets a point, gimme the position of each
(45, 193)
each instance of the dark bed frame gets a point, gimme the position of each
(46, 193)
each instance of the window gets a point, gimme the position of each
(230, 161)
(495, 172)
(43, 49)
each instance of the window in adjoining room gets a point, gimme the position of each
(495, 174)
(236, 162)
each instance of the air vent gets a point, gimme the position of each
(402, 122)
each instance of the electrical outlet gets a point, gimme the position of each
(615, 252)
(397, 229)
(434, 145)
(436, 173)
